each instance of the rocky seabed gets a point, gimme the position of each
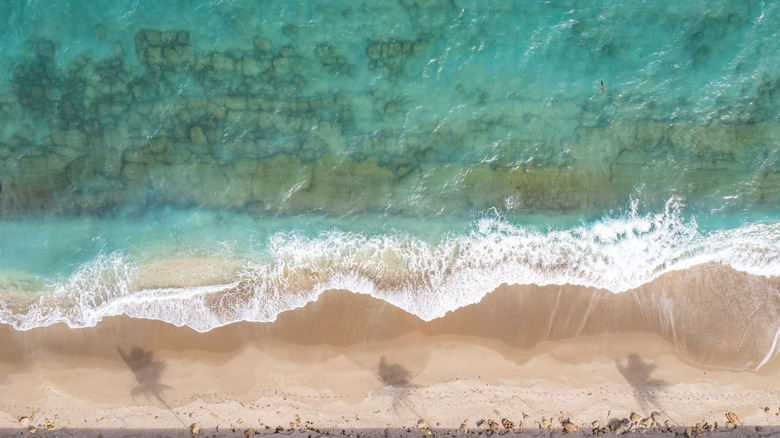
(242, 130)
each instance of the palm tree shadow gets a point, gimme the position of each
(646, 389)
(393, 374)
(147, 372)
(396, 376)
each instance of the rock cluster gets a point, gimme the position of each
(391, 56)
(423, 427)
(333, 62)
(164, 50)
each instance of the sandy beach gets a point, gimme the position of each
(350, 364)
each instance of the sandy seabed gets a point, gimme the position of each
(350, 364)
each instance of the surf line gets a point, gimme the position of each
(603, 90)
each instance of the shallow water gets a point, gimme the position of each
(250, 155)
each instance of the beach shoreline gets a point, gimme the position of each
(370, 368)
(389, 218)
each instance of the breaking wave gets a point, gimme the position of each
(617, 253)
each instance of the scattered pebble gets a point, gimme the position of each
(423, 426)
(568, 427)
(508, 425)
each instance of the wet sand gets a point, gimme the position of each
(542, 359)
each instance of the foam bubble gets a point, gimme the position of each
(79, 301)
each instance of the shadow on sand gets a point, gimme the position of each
(393, 374)
(646, 389)
(147, 372)
(397, 379)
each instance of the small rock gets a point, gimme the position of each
(508, 425)
(387, 432)
(732, 417)
(249, 432)
(422, 424)
(183, 37)
(158, 145)
(286, 52)
(263, 45)
(24, 421)
(290, 29)
(463, 429)
(195, 428)
(45, 48)
(635, 418)
(197, 135)
(568, 425)
(766, 409)
(154, 55)
(620, 427)
(250, 66)
(596, 424)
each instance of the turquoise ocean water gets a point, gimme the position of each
(216, 161)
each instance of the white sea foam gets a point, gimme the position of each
(618, 253)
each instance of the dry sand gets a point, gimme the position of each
(351, 364)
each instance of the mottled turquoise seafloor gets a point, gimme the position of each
(420, 151)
